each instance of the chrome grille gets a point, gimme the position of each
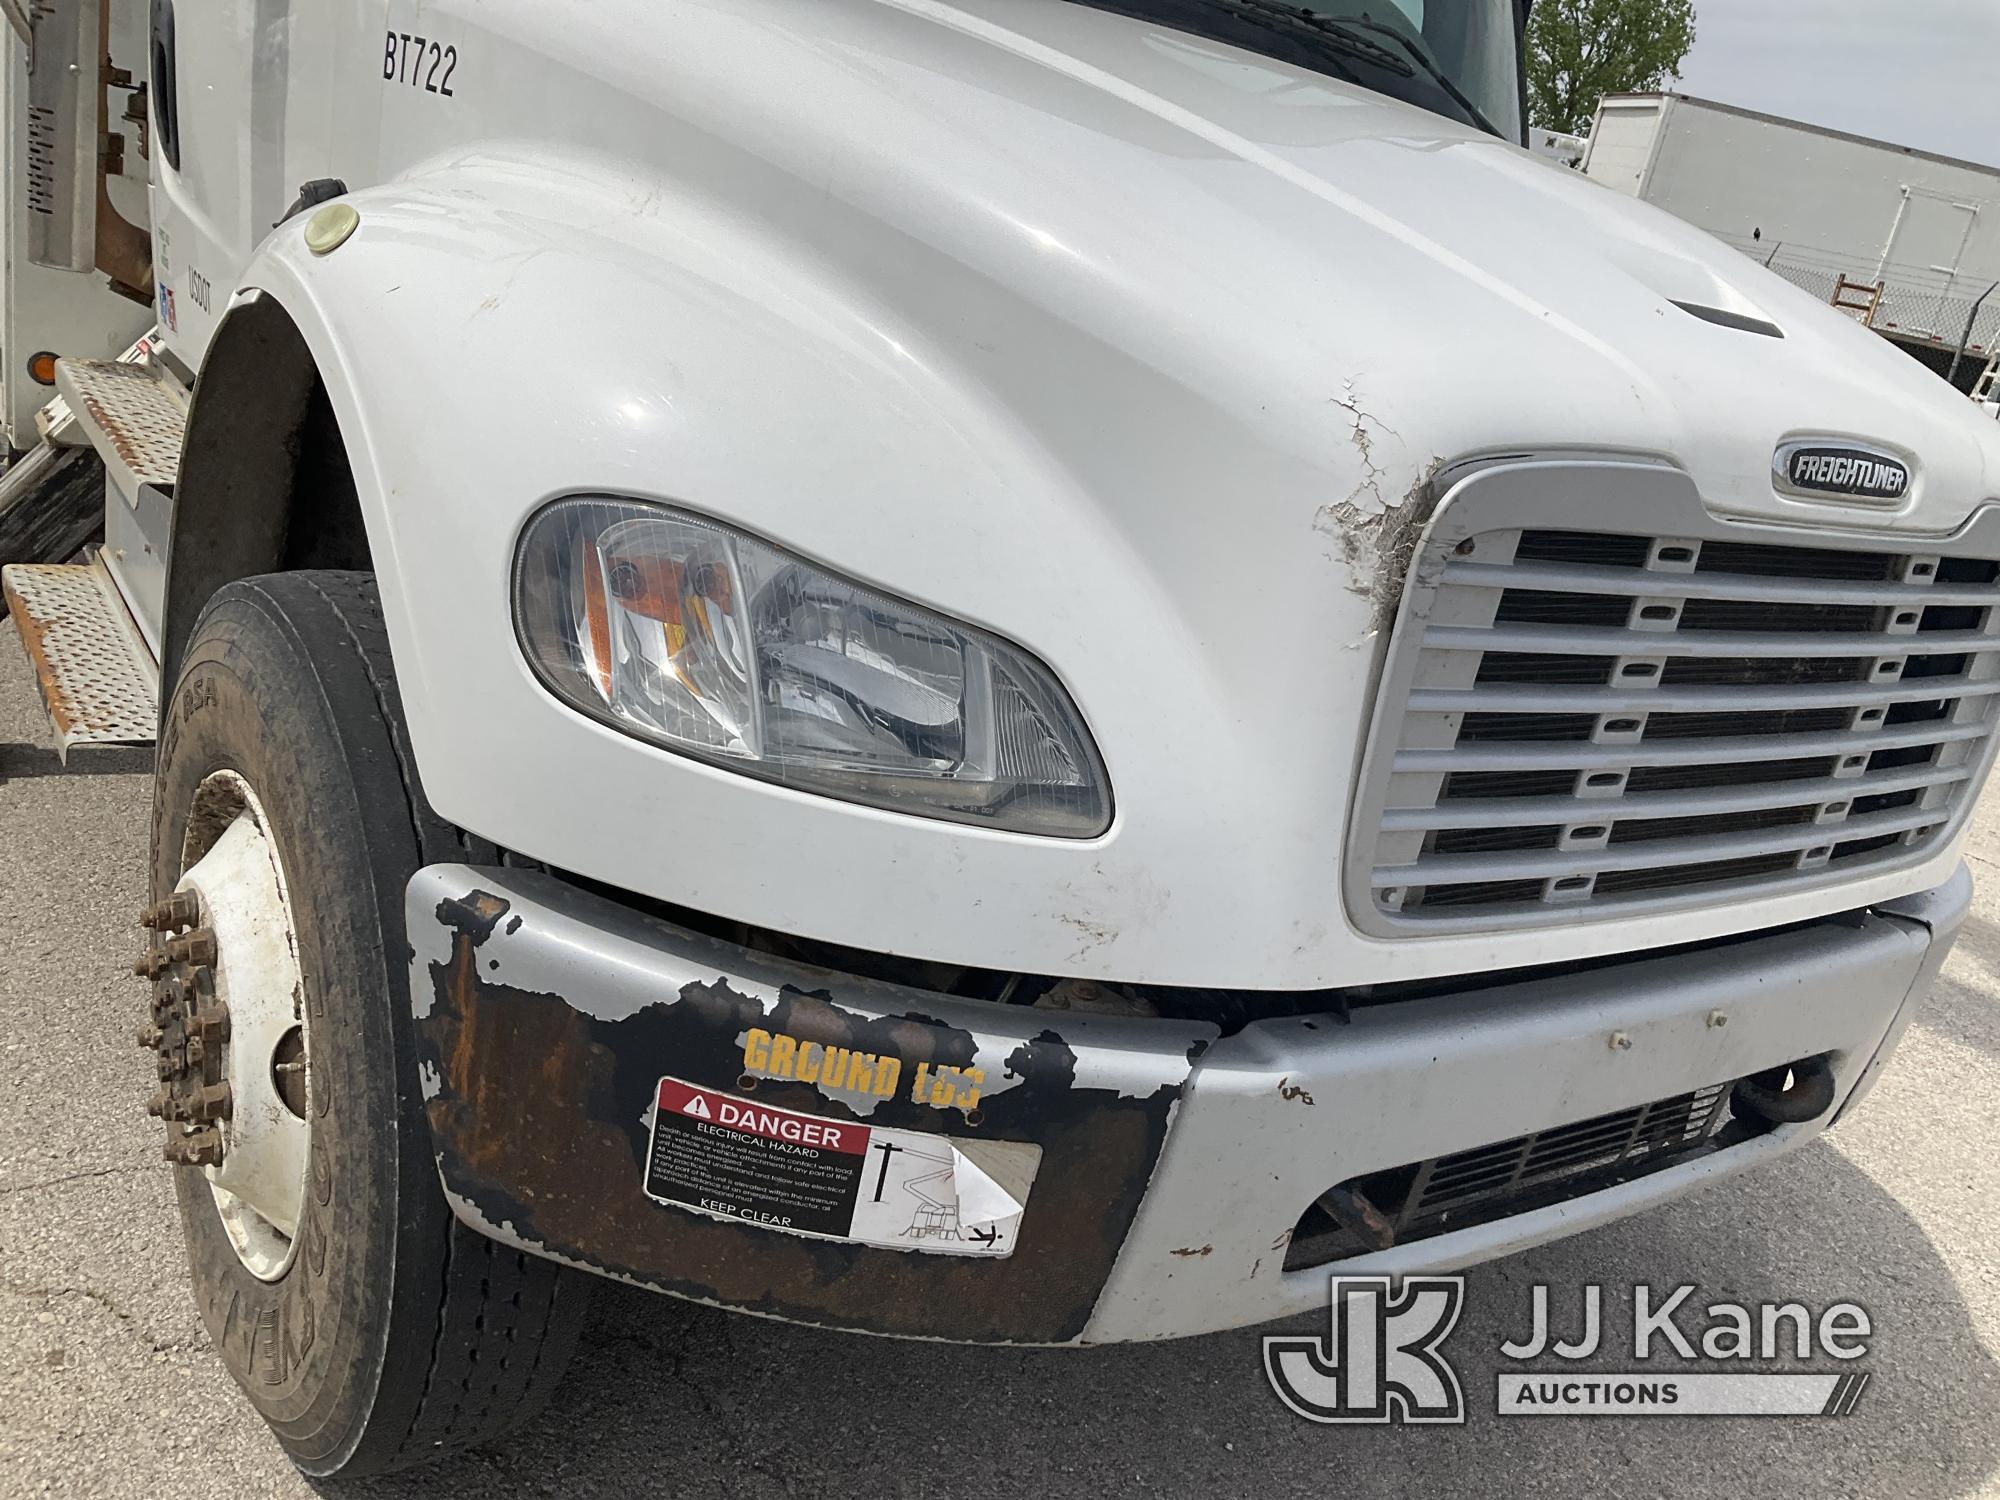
(1583, 722)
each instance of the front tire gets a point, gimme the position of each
(389, 1332)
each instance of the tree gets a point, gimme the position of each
(1581, 50)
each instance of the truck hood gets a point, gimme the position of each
(1346, 271)
(1136, 350)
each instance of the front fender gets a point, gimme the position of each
(502, 331)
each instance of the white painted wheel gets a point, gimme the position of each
(236, 874)
(287, 822)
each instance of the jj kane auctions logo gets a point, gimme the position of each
(1382, 1358)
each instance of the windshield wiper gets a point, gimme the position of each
(1425, 61)
(1348, 30)
(1314, 28)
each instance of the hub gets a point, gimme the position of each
(229, 1025)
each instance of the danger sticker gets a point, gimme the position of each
(833, 1179)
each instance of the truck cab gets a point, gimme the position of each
(1025, 671)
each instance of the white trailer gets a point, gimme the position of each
(1914, 237)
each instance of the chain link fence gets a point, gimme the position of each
(1919, 303)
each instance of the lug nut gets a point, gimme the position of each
(147, 1037)
(197, 948)
(213, 1102)
(202, 1149)
(157, 1105)
(179, 910)
(211, 1022)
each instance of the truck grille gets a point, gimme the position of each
(1492, 1182)
(1590, 722)
(1455, 1185)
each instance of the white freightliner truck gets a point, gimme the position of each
(1020, 671)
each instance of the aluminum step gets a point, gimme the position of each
(134, 417)
(98, 681)
(54, 420)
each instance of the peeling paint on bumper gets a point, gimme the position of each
(546, 1018)
(1175, 1161)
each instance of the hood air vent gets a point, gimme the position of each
(1722, 317)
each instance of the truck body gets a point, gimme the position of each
(998, 749)
(1821, 207)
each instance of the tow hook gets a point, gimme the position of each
(187, 1032)
(1790, 1095)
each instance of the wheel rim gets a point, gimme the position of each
(234, 872)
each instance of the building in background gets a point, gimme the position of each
(1905, 240)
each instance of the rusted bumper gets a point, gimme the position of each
(546, 1018)
(1175, 1162)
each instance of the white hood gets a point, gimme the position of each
(1128, 346)
(1437, 287)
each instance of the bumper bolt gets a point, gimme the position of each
(1717, 1019)
(1621, 1041)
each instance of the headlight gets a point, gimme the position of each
(704, 640)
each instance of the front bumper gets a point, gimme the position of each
(1175, 1161)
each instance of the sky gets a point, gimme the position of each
(1923, 73)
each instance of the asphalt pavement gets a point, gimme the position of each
(108, 1386)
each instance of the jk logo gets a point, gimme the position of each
(1380, 1361)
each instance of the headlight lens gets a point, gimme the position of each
(710, 642)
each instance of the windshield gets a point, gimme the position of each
(1458, 58)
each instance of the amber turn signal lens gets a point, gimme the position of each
(42, 368)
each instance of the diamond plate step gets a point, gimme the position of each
(97, 679)
(54, 420)
(132, 416)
